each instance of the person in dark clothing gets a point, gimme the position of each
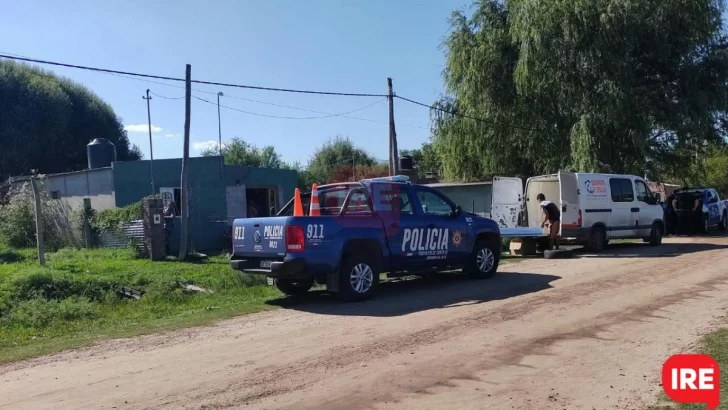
(169, 213)
(552, 217)
(671, 214)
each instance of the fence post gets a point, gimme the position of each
(38, 219)
(154, 234)
(87, 232)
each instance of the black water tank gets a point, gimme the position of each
(405, 162)
(101, 153)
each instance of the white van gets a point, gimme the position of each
(596, 207)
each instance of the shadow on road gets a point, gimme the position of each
(400, 297)
(643, 250)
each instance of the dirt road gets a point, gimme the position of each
(590, 332)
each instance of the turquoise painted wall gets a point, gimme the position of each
(208, 209)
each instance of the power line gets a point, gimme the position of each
(166, 98)
(286, 117)
(147, 78)
(160, 77)
(457, 114)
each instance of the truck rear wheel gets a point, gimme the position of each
(293, 287)
(359, 277)
(484, 260)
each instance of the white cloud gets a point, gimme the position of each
(172, 135)
(141, 128)
(203, 145)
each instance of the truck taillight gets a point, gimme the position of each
(294, 238)
(578, 221)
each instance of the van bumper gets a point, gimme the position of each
(285, 269)
(578, 234)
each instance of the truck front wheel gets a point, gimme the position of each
(296, 287)
(484, 260)
(359, 277)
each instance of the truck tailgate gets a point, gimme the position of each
(260, 237)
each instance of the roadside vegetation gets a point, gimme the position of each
(82, 296)
(716, 345)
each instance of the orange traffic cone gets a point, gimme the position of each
(297, 204)
(315, 209)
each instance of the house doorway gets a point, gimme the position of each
(261, 202)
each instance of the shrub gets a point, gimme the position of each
(114, 219)
(17, 221)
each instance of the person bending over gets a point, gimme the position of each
(552, 217)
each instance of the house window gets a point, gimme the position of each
(170, 193)
(55, 194)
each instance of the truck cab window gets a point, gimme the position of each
(434, 204)
(643, 193)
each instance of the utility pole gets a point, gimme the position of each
(185, 159)
(151, 151)
(38, 219)
(219, 135)
(393, 153)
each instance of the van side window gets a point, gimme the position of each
(622, 190)
(643, 193)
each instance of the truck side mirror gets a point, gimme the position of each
(458, 210)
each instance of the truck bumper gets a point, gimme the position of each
(286, 269)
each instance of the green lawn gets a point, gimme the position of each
(74, 300)
(716, 345)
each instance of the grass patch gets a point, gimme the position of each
(74, 300)
(716, 345)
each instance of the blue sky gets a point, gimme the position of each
(333, 45)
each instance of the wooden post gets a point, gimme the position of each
(38, 220)
(394, 154)
(184, 206)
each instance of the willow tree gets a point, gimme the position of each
(591, 85)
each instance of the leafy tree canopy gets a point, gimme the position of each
(335, 154)
(46, 122)
(240, 152)
(607, 85)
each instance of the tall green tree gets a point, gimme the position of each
(46, 122)
(335, 154)
(605, 85)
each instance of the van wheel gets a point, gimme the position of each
(359, 278)
(656, 232)
(483, 261)
(723, 224)
(294, 287)
(597, 240)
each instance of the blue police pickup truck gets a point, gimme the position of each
(365, 228)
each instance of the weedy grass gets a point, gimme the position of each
(76, 298)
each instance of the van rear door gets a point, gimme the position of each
(507, 201)
(569, 201)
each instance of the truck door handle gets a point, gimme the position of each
(430, 226)
(635, 209)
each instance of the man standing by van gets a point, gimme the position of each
(552, 215)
